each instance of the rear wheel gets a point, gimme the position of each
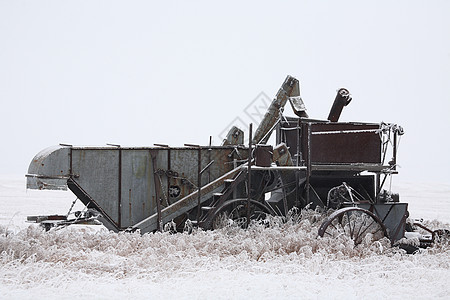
(355, 223)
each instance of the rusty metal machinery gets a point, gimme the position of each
(315, 163)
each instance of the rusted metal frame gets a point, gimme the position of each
(207, 167)
(308, 162)
(283, 185)
(423, 227)
(157, 191)
(394, 150)
(209, 158)
(283, 189)
(289, 128)
(235, 150)
(377, 187)
(317, 196)
(367, 194)
(70, 162)
(169, 165)
(70, 174)
(186, 147)
(71, 207)
(263, 182)
(283, 138)
(299, 157)
(199, 184)
(385, 145)
(265, 138)
(278, 134)
(298, 143)
(158, 173)
(278, 168)
(249, 170)
(380, 186)
(345, 131)
(357, 167)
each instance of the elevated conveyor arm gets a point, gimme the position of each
(290, 90)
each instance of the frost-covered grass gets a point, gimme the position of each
(289, 257)
(273, 260)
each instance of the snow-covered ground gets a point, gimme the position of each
(276, 262)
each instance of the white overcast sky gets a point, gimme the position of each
(142, 72)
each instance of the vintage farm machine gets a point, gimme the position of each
(342, 166)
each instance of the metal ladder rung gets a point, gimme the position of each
(207, 207)
(228, 182)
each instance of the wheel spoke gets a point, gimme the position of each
(373, 221)
(361, 226)
(342, 223)
(350, 224)
(379, 229)
(333, 226)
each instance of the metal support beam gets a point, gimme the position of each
(249, 168)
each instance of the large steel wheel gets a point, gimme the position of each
(234, 212)
(354, 222)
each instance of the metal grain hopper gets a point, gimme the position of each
(338, 165)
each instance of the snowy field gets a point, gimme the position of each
(282, 261)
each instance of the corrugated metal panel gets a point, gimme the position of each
(138, 187)
(97, 172)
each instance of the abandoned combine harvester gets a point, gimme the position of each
(325, 163)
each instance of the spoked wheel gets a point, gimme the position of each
(234, 212)
(355, 223)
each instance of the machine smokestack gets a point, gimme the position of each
(342, 99)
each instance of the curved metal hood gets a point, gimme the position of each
(50, 169)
